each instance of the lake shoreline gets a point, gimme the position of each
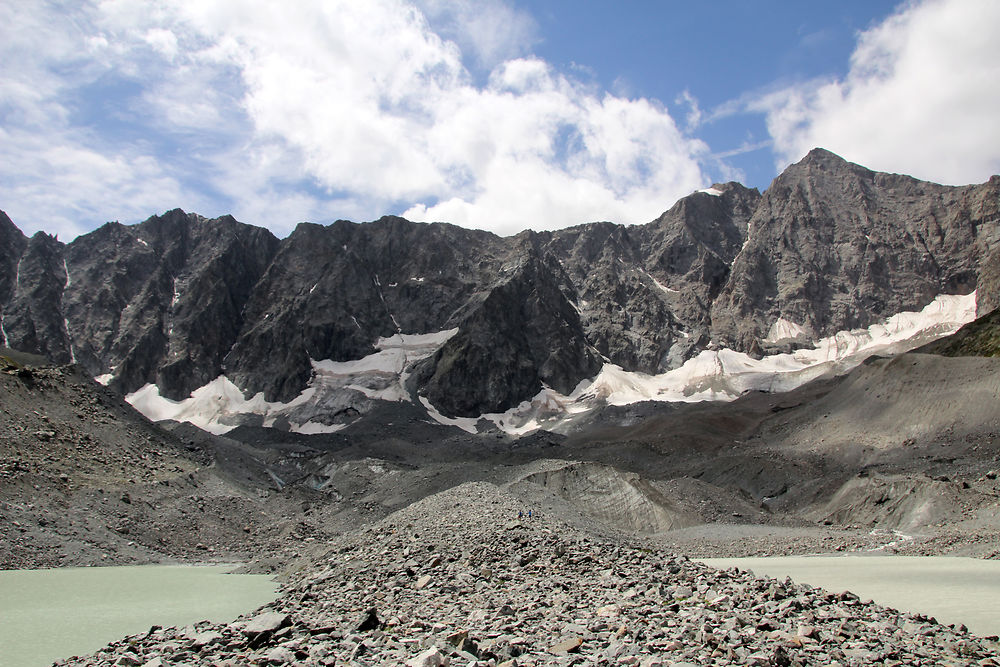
(50, 613)
(953, 589)
(455, 578)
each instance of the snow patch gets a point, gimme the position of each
(104, 379)
(208, 407)
(726, 374)
(661, 285)
(313, 428)
(142, 242)
(68, 280)
(746, 241)
(393, 355)
(467, 424)
(220, 406)
(715, 192)
(784, 329)
(69, 339)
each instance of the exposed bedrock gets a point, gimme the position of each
(33, 320)
(525, 333)
(162, 301)
(835, 246)
(332, 292)
(179, 299)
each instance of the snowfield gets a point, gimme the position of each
(713, 375)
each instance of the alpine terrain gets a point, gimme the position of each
(371, 410)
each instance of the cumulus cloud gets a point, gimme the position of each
(921, 97)
(58, 175)
(322, 109)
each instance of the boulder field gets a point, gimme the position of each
(465, 577)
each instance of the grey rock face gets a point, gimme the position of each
(178, 299)
(690, 250)
(526, 332)
(834, 246)
(332, 292)
(162, 301)
(645, 292)
(33, 318)
(988, 285)
(624, 315)
(12, 244)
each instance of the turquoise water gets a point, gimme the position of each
(951, 589)
(50, 614)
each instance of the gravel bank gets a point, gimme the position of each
(459, 579)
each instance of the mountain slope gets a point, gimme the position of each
(162, 301)
(526, 332)
(12, 244)
(34, 320)
(980, 338)
(833, 246)
(179, 300)
(332, 292)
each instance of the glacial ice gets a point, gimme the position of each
(712, 375)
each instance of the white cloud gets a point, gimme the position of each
(491, 30)
(921, 97)
(58, 184)
(57, 175)
(694, 114)
(163, 41)
(322, 109)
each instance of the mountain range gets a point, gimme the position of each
(476, 324)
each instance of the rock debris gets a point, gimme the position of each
(458, 579)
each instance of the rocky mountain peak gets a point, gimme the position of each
(8, 230)
(12, 245)
(822, 156)
(836, 246)
(179, 299)
(524, 334)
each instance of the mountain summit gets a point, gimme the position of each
(179, 300)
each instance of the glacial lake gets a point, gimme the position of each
(47, 615)
(953, 590)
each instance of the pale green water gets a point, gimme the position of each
(50, 614)
(953, 590)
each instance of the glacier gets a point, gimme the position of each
(338, 387)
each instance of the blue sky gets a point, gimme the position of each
(714, 53)
(495, 114)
